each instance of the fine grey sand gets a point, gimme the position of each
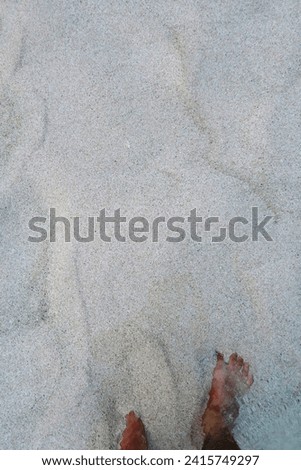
(156, 108)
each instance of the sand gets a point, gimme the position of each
(155, 108)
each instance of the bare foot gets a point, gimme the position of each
(133, 437)
(229, 381)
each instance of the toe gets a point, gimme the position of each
(233, 359)
(219, 357)
(245, 369)
(219, 363)
(250, 379)
(240, 362)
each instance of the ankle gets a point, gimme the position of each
(213, 421)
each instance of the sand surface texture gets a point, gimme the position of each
(156, 108)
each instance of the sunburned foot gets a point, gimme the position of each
(229, 381)
(133, 437)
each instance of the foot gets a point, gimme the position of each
(229, 381)
(133, 437)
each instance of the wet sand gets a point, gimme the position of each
(156, 109)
